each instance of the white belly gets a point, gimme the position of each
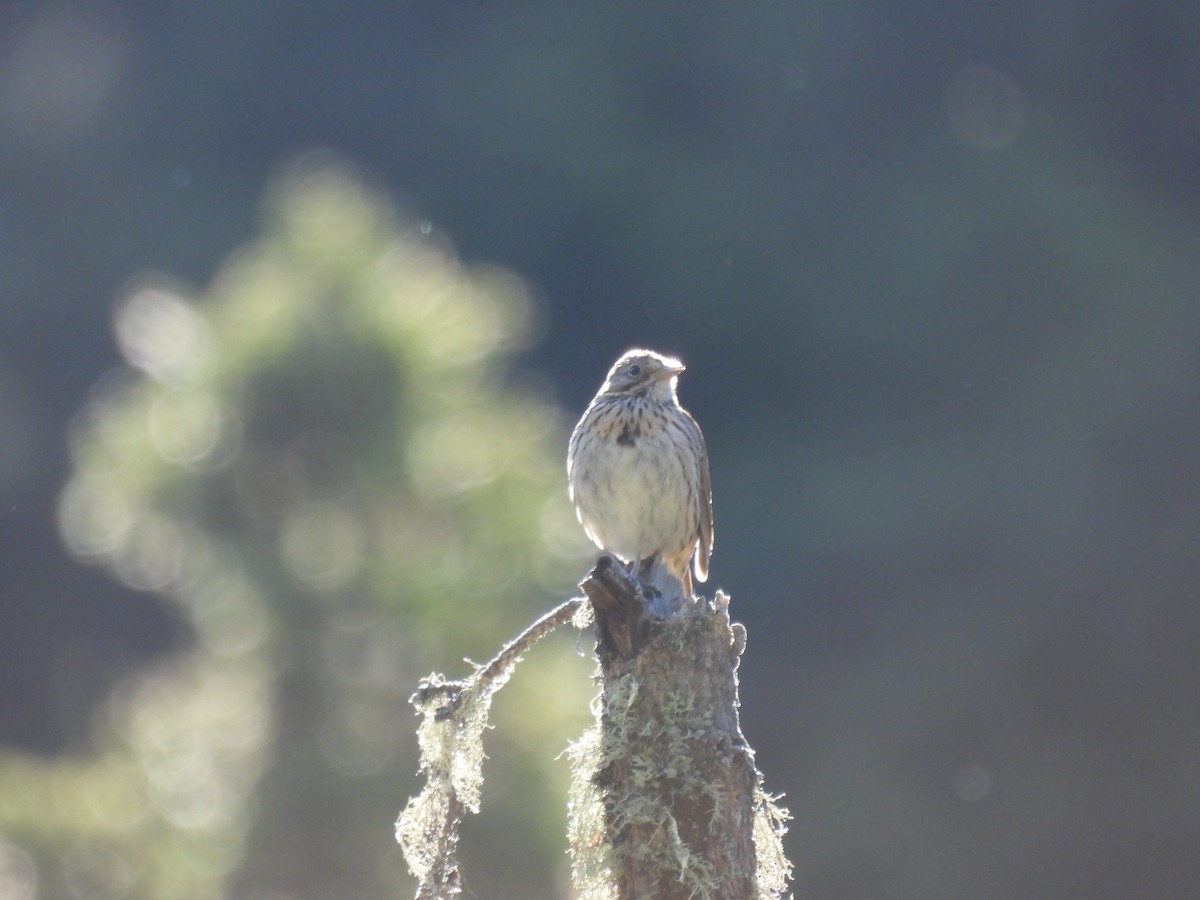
(634, 501)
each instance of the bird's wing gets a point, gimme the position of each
(705, 511)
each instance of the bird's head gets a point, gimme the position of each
(642, 372)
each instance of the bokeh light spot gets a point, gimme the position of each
(197, 732)
(452, 455)
(118, 798)
(364, 648)
(228, 616)
(60, 71)
(162, 335)
(972, 782)
(322, 545)
(152, 557)
(94, 516)
(324, 211)
(185, 426)
(186, 792)
(18, 874)
(94, 871)
(355, 742)
(984, 107)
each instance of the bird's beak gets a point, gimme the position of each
(670, 371)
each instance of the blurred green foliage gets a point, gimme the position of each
(324, 461)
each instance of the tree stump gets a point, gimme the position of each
(674, 775)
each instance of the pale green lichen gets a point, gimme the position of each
(454, 715)
(652, 786)
(453, 718)
(774, 870)
(591, 850)
(647, 808)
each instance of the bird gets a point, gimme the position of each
(637, 470)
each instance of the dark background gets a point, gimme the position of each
(933, 269)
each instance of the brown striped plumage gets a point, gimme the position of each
(637, 469)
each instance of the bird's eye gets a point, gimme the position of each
(635, 370)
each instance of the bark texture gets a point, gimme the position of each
(675, 777)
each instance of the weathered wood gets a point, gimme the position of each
(676, 778)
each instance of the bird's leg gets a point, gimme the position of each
(645, 565)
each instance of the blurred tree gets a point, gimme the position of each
(323, 462)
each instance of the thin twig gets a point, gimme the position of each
(523, 642)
